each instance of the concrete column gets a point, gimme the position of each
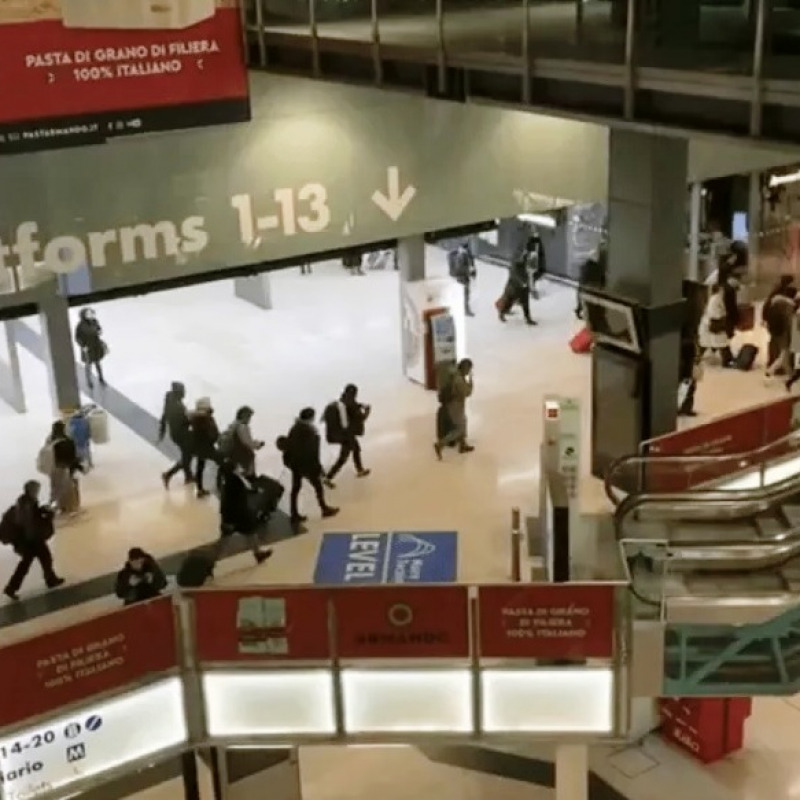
(647, 236)
(11, 388)
(695, 212)
(411, 258)
(254, 289)
(755, 220)
(572, 772)
(59, 352)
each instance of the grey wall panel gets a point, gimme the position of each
(465, 163)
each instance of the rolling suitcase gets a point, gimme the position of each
(265, 496)
(443, 424)
(746, 357)
(747, 317)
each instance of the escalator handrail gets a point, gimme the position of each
(643, 459)
(752, 501)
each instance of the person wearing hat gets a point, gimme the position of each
(140, 579)
(204, 437)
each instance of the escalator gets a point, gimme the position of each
(710, 525)
(712, 548)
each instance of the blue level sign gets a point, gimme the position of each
(387, 557)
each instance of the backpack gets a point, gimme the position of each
(227, 440)
(46, 459)
(452, 263)
(9, 527)
(334, 425)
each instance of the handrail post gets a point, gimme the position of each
(516, 545)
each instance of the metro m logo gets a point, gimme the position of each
(147, 242)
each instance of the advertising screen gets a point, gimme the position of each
(96, 739)
(82, 71)
(71, 665)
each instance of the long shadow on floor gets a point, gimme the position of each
(145, 426)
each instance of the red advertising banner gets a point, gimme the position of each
(709, 728)
(81, 71)
(254, 624)
(736, 435)
(558, 621)
(94, 657)
(402, 622)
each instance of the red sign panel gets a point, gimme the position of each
(402, 622)
(256, 624)
(81, 71)
(550, 622)
(73, 664)
(737, 435)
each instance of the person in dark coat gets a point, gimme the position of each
(89, 338)
(518, 288)
(204, 437)
(140, 579)
(65, 466)
(32, 528)
(301, 454)
(175, 421)
(236, 512)
(344, 425)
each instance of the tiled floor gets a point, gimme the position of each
(329, 329)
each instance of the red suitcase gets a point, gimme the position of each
(747, 317)
(581, 342)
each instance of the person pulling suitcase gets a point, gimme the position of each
(244, 508)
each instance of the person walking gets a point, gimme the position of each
(518, 289)
(344, 425)
(301, 455)
(89, 338)
(141, 578)
(689, 374)
(713, 330)
(237, 514)
(456, 387)
(175, 421)
(238, 444)
(27, 527)
(63, 465)
(204, 437)
(462, 267)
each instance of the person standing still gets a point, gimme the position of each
(457, 386)
(175, 421)
(89, 338)
(32, 526)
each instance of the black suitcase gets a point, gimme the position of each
(444, 424)
(746, 357)
(196, 569)
(266, 494)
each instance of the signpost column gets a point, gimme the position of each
(572, 772)
(59, 353)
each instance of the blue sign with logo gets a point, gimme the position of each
(387, 557)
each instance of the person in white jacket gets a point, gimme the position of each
(712, 334)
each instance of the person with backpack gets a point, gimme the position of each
(517, 289)
(58, 459)
(456, 387)
(27, 526)
(141, 578)
(461, 265)
(344, 425)
(301, 455)
(237, 444)
(175, 421)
